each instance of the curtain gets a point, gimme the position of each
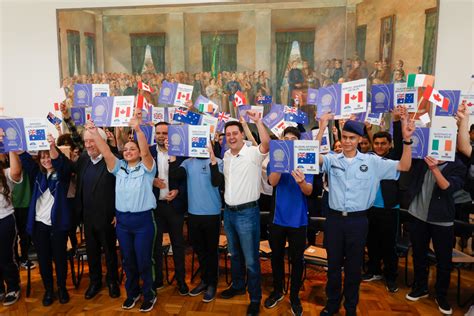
(361, 35)
(219, 52)
(74, 52)
(90, 54)
(138, 44)
(284, 41)
(429, 42)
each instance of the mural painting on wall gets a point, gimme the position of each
(240, 46)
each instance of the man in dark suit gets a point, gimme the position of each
(171, 205)
(95, 201)
(295, 80)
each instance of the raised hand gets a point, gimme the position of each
(253, 115)
(51, 140)
(135, 121)
(212, 156)
(408, 128)
(64, 110)
(324, 120)
(298, 176)
(110, 138)
(462, 113)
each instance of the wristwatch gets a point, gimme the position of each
(408, 143)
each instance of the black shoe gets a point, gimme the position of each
(253, 309)
(327, 311)
(183, 289)
(130, 302)
(48, 298)
(92, 290)
(296, 307)
(210, 294)
(391, 286)
(369, 277)
(159, 285)
(273, 300)
(198, 289)
(147, 305)
(114, 290)
(63, 295)
(416, 294)
(443, 306)
(231, 292)
(11, 298)
(2, 295)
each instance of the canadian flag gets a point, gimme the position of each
(144, 87)
(123, 112)
(142, 103)
(350, 98)
(183, 96)
(56, 106)
(239, 99)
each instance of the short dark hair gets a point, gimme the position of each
(382, 134)
(292, 130)
(472, 128)
(162, 123)
(234, 123)
(64, 140)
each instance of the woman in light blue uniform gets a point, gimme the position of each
(134, 201)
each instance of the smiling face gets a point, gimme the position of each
(90, 146)
(45, 160)
(337, 147)
(234, 138)
(364, 145)
(381, 146)
(161, 134)
(349, 142)
(131, 152)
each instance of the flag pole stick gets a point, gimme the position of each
(417, 106)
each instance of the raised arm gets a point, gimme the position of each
(15, 167)
(147, 158)
(247, 132)
(397, 132)
(408, 127)
(463, 143)
(262, 132)
(217, 178)
(76, 138)
(323, 124)
(102, 146)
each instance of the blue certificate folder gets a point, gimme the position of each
(283, 160)
(188, 141)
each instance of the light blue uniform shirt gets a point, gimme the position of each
(353, 185)
(203, 197)
(134, 187)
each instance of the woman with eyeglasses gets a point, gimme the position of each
(135, 202)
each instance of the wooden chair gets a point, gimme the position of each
(459, 260)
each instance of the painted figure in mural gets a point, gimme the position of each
(295, 79)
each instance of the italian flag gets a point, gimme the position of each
(435, 97)
(415, 80)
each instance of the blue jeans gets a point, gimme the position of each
(243, 237)
(136, 234)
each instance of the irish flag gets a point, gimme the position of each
(415, 80)
(435, 97)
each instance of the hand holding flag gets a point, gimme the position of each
(435, 97)
(144, 87)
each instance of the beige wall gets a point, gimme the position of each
(408, 33)
(78, 21)
(117, 29)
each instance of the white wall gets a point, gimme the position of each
(29, 55)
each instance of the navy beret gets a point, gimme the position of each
(354, 127)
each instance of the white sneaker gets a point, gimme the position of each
(11, 298)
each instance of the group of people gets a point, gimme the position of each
(134, 192)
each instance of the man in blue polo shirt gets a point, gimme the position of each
(354, 179)
(289, 222)
(204, 177)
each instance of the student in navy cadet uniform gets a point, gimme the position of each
(135, 202)
(290, 219)
(204, 177)
(354, 179)
(49, 216)
(383, 216)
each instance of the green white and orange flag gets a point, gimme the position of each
(420, 80)
(436, 98)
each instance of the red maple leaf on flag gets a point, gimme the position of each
(436, 97)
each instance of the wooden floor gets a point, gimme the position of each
(374, 299)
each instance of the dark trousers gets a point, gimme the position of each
(296, 243)
(8, 266)
(381, 242)
(172, 220)
(21, 215)
(265, 204)
(51, 245)
(136, 235)
(344, 239)
(100, 238)
(204, 235)
(74, 222)
(420, 235)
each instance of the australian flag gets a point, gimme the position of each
(264, 99)
(306, 158)
(188, 117)
(403, 98)
(297, 116)
(37, 134)
(198, 142)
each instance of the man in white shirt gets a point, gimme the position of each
(242, 173)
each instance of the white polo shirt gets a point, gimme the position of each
(6, 207)
(243, 173)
